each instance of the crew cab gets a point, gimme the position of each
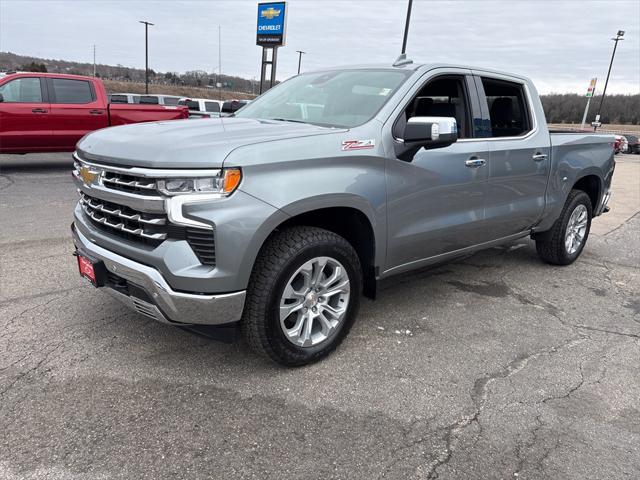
(46, 112)
(279, 217)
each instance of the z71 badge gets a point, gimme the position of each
(358, 144)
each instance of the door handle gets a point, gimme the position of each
(96, 112)
(539, 157)
(475, 162)
(39, 110)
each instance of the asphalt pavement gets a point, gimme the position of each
(493, 366)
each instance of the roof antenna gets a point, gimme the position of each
(402, 60)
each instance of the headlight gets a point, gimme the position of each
(224, 183)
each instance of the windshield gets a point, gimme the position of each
(344, 98)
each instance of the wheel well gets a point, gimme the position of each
(353, 226)
(591, 186)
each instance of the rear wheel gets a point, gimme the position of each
(564, 243)
(303, 295)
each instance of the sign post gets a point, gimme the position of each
(589, 95)
(271, 32)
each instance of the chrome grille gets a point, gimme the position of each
(124, 219)
(129, 183)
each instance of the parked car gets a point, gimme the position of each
(278, 223)
(47, 112)
(232, 106)
(620, 144)
(633, 143)
(201, 107)
(160, 99)
(124, 98)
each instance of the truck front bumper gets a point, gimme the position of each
(146, 291)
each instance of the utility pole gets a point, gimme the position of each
(146, 55)
(618, 37)
(219, 64)
(94, 59)
(300, 53)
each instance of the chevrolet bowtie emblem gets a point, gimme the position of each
(270, 13)
(88, 176)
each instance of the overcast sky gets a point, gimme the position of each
(559, 44)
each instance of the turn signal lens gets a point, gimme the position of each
(232, 179)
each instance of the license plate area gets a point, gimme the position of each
(92, 269)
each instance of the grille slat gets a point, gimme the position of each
(129, 183)
(121, 218)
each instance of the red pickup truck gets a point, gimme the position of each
(48, 112)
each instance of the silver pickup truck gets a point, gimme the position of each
(280, 217)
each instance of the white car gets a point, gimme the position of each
(124, 98)
(156, 99)
(202, 106)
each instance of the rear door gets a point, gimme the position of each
(25, 115)
(75, 109)
(519, 158)
(435, 199)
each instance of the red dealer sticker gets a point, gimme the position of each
(358, 144)
(86, 268)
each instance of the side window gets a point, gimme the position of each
(149, 100)
(211, 106)
(118, 98)
(440, 97)
(171, 101)
(508, 110)
(22, 90)
(135, 98)
(72, 91)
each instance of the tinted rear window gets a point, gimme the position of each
(171, 101)
(72, 91)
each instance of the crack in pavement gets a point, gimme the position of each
(479, 395)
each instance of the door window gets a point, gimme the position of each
(171, 101)
(72, 91)
(22, 90)
(118, 99)
(440, 97)
(508, 110)
(211, 106)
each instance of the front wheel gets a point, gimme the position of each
(565, 241)
(303, 295)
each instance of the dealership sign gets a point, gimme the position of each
(271, 24)
(592, 87)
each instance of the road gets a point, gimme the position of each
(493, 366)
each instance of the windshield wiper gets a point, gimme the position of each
(287, 120)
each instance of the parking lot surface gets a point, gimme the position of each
(493, 366)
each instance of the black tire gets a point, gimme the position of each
(284, 252)
(551, 246)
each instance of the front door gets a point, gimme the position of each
(25, 116)
(436, 199)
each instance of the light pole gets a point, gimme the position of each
(146, 55)
(300, 53)
(619, 36)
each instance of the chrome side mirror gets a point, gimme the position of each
(431, 132)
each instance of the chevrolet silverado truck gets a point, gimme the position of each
(279, 218)
(49, 112)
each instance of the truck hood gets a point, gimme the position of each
(194, 143)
